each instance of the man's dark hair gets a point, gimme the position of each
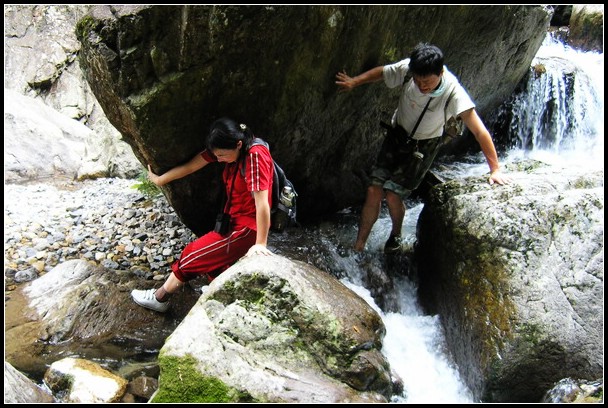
(426, 59)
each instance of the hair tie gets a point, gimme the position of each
(243, 127)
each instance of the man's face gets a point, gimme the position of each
(427, 83)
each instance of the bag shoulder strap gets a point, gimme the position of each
(420, 117)
(445, 108)
(226, 198)
(275, 177)
(406, 79)
(256, 141)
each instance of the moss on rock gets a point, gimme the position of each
(181, 381)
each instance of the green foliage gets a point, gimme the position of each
(392, 55)
(145, 186)
(182, 381)
(84, 26)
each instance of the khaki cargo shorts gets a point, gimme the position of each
(399, 167)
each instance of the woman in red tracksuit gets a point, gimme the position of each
(248, 204)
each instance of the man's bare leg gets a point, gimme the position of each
(369, 215)
(396, 210)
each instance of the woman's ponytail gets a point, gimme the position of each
(225, 133)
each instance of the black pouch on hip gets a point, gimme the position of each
(222, 223)
(397, 133)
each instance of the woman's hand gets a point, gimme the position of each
(152, 176)
(258, 249)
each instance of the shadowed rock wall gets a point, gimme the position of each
(163, 73)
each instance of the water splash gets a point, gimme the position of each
(414, 345)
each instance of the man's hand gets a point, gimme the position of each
(345, 82)
(497, 177)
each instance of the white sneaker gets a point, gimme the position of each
(147, 299)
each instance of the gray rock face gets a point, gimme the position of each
(516, 274)
(587, 27)
(39, 142)
(18, 389)
(40, 45)
(40, 62)
(163, 73)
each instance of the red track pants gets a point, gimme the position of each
(212, 254)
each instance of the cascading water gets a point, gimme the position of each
(559, 115)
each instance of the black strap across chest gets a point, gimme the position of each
(420, 118)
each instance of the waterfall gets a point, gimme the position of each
(559, 114)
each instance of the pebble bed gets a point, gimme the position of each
(106, 221)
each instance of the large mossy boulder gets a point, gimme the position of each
(273, 330)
